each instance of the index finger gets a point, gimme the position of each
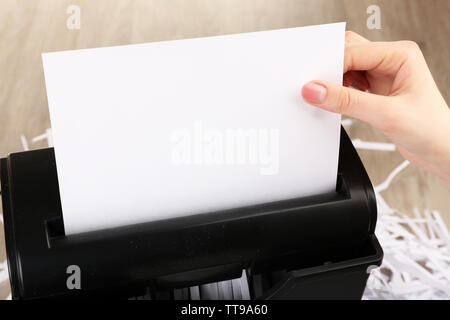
(383, 57)
(352, 38)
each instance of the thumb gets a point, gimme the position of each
(351, 102)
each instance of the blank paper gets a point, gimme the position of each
(166, 129)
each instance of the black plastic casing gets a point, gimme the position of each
(314, 247)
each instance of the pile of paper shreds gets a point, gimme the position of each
(416, 262)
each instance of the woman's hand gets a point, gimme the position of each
(394, 91)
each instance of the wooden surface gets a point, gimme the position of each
(28, 28)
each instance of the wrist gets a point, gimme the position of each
(441, 154)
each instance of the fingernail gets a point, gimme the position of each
(315, 93)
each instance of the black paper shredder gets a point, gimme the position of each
(319, 247)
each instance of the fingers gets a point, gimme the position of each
(365, 106)
(383, 57)
(352, 38)
(356, 79)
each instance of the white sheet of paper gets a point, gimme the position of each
(151, 131)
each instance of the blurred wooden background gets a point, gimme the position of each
(28, 28)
